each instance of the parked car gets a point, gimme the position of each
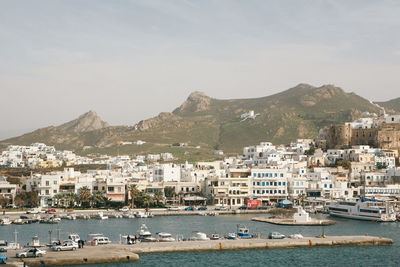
(31, 252)
(66, 245)
(276, 235)
(101, 240)
(34, 211)
(51, 211)
(124, 209)
(221, 208)
(174, 208)
(189, 208)
(243, 207)
(203, 208)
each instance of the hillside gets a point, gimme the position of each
(212, 124)
(391, 106)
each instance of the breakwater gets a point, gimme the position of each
(129, 253)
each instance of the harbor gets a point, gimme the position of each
(128, 253)
(346, 233)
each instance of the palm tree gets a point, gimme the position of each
(147, 200)
(70, 198)
(84, 195)
(133, 192)
(59, 197)
(158, 197)
(98, 198)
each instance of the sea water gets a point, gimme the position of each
(185, 225)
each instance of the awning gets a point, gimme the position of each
(286, 202)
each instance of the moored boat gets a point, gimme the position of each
(165, 237)
(145, 234)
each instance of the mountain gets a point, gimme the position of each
(89, 121)
(212, 123)
(391, 106)
(70, 135)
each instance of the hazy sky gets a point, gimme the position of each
(130, 60)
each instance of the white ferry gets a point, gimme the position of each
(362, 209)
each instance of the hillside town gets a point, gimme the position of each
(263, 175)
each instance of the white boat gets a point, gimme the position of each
(165, 237)
(145, 234)
(74, 237)
(18, 221)
(296, 236)
(71, 216)
(6, 221)
(243, 232)
(128, 216)
(101, 216)
(363, 209)
(199, 236)
(140, 214)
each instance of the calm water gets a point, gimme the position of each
(324, 256)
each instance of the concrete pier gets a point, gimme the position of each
(87, 255)
(129, 253)
(291, 222)
(257, 244)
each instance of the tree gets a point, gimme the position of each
(158, 197)
(310, 151)
(133, 192)
(169, 191)
(4, 201)
(85, 196)
(60, 198)
(70, 198)
(98, 198)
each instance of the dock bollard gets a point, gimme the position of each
(309, 242)
(366, 234)
(220, 245)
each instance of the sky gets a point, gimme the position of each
(130, 60)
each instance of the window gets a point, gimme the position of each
(110, 189)
(95, 188)
(263, 183)
(47, 183)
(279, 183)
(283, 183)
(54, 182)
(47, 191)
(55, 191)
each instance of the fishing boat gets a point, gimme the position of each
(18, 221)
(101, 216)
(199, 236)
(215, 236)
(71, 216)
(165, 237)
(140, 214)
(363, 209)
(232, 236)
(243, 232)
(145, 234)
(6, 221)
